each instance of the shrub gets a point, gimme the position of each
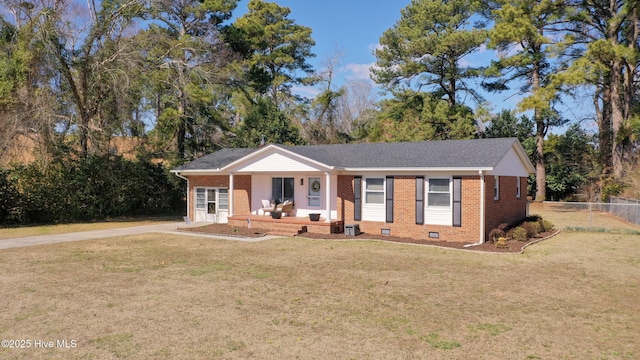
(495, 234)
(89, 188)
(537, 227)
(547, 225)
(532, 218)
(9, 199)
(501, 242)
(519, 233)
(532, 230)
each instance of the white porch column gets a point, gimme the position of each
(327, 196)
(230, 194)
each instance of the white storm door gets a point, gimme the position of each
(212, 206)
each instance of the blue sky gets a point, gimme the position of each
(355, 27)
(352, 26)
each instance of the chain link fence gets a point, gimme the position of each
(626, 209)
(615, 217)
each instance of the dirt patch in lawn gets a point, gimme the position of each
(512, 245)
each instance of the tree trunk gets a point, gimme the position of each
(617, 121)
(182, 127)
(601, 104)
(541, 173)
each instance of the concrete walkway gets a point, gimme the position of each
(168, 228)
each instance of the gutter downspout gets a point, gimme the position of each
(185, 178)
(482, 205)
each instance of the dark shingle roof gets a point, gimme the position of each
(478, 153)
(216, 160)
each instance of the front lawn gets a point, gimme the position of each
(22, 231)
(165, 297)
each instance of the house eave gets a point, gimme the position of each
(197, 172)
(417, 169)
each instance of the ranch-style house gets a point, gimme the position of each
(450, 190)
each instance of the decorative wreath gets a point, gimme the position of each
(315, 186)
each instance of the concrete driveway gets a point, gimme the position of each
(169, 228)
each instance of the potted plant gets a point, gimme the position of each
(314, 217)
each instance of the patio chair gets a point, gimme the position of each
(267, 207)
(285, 208)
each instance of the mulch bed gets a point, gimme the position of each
(513, 246)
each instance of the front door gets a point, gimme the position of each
(212, 205)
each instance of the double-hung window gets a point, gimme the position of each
(496, 188)
(374, 191)
(282, 189)
(439, 193)
(201, 198)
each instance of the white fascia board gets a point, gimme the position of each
(278, 149)
(418, 170)
(522, 154)
(199, 172)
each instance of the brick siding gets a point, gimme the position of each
(507, 209)
(241, 191)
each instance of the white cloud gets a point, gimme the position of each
(375, 47)
(357, 71)
(476, 58)
(305, 91)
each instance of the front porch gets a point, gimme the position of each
(287, 225)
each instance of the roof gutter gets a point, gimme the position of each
(482, 205)
(414, 169)
(194, 171)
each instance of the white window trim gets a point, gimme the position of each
(202, 206)
(374, 211)
(309, 197)
(216, 200)
(383, 191)
(496, 188)
(518, 188)
(438, 215)
(439, 192)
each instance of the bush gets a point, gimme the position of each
(93, 188)
(10, 199)
(532, 218)
(546, 225)
(532, 228)
(537, 227)
(519, 233)
(501, 242)
(495, 234)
